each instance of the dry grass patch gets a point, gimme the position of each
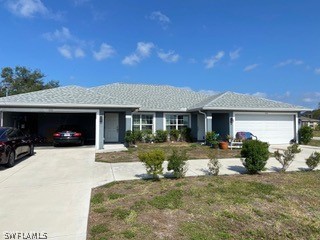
(266, 206)
(193, 150)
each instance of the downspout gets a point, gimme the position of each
(205, 121)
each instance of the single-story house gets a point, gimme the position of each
(310, 122)
(108, 111)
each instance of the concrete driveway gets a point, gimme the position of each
(50, 192)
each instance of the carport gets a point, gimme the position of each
(41, 125)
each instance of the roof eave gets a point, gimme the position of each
(259, 109)
(63, 105)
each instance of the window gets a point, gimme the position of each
(174, 121)
(142, 122)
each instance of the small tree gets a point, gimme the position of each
(305, 134)
(213, 164)
(177, 163)
(313, 160)
(254, 155)
(153, 161)
(287, 157)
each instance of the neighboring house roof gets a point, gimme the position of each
(145, 98)
(153, 97)
(237, 101)
(306, 119)
(69, 96)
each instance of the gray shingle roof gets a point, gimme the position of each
(61, 96)
(145, 97)
(237, 101)
(153, 97)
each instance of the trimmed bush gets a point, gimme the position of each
(313, 160)
(174, 134)
(212, 138)
(147, 136)
(287, 157)
(186, 135)
(254, 155)
(213, 164)
(161, 136)
(153, 161)
(305, 134)
(177, 163)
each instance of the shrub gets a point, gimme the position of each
(161, 136)
(305, 134)
(212, 138)
(313, 160)
(153, 161)
(254, 155)
(186, 135)
(177, 163)
(129, 138)
(137, 136)
(287, 157)
(147, 136)
(174, 134)
(213, 164)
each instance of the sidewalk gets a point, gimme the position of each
(136, 170)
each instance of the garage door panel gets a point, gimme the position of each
(273, 128)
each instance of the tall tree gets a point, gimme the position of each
(23, 80)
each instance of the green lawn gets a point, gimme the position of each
(194, 151)
(266, 206)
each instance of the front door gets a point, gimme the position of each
(111, 132)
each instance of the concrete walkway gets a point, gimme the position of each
(136, 170)
(50, 192)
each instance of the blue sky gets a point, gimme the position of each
(269, 48)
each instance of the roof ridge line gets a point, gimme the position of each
(221, 94)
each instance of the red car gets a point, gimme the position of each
(14, 144)
(68, 134)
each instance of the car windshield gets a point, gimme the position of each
(72, 128)
(3, 132)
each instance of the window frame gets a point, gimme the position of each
(177, 121)
(140, 118)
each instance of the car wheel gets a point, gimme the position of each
(31, 151)
(10, 159)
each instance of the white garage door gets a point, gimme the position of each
(271, 128)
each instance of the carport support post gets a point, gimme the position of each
(209, 122)
(99, 129)
(128, 120)
(1, 119)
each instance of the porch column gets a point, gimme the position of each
(99, 129)
(296, 126)
(128, 120)
(209, 123)
(1, 119)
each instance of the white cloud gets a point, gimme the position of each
(311, 97)
(250, 67)
(294, 62)
(169, 57)
(307, 100)
(70, 52)
(79, 53)
(317, 71)
(210, 62)
(235, 54)
(65, 51)
(260, 94)
(143, 51)
(62, 35)
(106, 51)
(30, 8)
(162, 19)
(208, 92)
(192, 60)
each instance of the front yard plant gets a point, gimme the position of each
(254, 155)
(213, 164)
(177, 162)
(305, 134)
(287, 157)
(313, 160)
(153, 161)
